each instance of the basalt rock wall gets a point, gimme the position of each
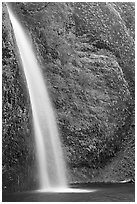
(86, 53)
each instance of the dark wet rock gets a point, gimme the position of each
(86, 52)
(17, 146)
(127, 181)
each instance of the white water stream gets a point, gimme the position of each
(50, 160)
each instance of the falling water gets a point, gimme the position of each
(51, 165)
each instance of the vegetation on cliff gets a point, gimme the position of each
(86, 53)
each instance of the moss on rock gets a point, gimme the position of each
(86, 53)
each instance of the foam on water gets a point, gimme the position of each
(66, 190)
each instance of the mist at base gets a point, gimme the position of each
(66, 190)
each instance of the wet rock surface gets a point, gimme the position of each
(86, 53)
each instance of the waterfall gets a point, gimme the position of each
(51, 165)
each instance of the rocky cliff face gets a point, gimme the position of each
(86, 52)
